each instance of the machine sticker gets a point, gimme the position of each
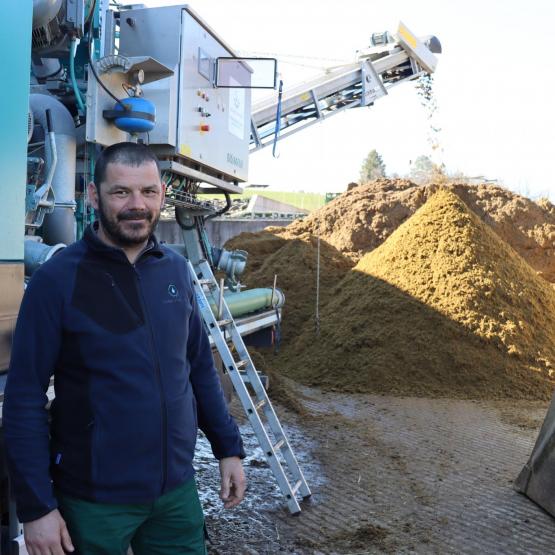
(234, 160)
(236, 121)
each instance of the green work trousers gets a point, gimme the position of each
(171, 525)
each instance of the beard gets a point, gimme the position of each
(129, 228)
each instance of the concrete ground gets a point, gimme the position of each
(389, 475)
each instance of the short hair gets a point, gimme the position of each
(129, 154)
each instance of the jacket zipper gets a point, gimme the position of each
(160, 387)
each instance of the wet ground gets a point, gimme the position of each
(389, 475)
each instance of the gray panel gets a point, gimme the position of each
(156, 32)
(175, 36)
(225, 146)
(100, 130)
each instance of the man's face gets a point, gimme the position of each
(129, 202)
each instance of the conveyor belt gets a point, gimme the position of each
(349, 86)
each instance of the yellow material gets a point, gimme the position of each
(407, 36)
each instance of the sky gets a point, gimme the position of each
(494, 87)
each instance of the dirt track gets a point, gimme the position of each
(391, 475)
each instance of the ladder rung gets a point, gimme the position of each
(260, 404)
(208, 282)
(279, 444)
(296, 487)
(223, 323)
(241, 364)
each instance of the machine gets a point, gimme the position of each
(101, 73)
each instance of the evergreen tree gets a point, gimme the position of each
(421, 169)
(372, 167)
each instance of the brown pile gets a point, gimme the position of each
(429, 336)
(293, 258)
(363, 217)
(443, 307)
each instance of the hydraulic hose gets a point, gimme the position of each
(223, 210)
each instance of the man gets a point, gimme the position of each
(114, 318)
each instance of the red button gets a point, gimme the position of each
(205, 127)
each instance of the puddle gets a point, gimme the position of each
(254, 522)
(263, 493)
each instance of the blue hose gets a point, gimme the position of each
(278, 120)
(77, 92)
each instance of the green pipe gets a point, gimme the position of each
(251, 300)
(244, 302)
(76, 91)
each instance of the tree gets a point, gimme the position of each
(372, 167)
(423, 170)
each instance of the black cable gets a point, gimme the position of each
(90, 16)
(222, 211)
(126, 87)
(91, 65)
(204, 247)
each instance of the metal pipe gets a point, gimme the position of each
(249, 301)
(46, 68)
(38, 253)
(245, 302)
(42, 192)
(59, 226)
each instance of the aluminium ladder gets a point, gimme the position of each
(241, 371)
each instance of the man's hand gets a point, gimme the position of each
(47, 535)
(234, 484)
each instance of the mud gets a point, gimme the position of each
(390, 475)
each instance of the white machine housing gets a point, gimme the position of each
(195, 120)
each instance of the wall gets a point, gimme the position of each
(219, 230)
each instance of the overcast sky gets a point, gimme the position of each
(494, 86)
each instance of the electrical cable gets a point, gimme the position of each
(91, 65)
(278, 120)
(90, 15)
(278, 55)
(223, 210)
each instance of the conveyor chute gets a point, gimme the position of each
(380, 67)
